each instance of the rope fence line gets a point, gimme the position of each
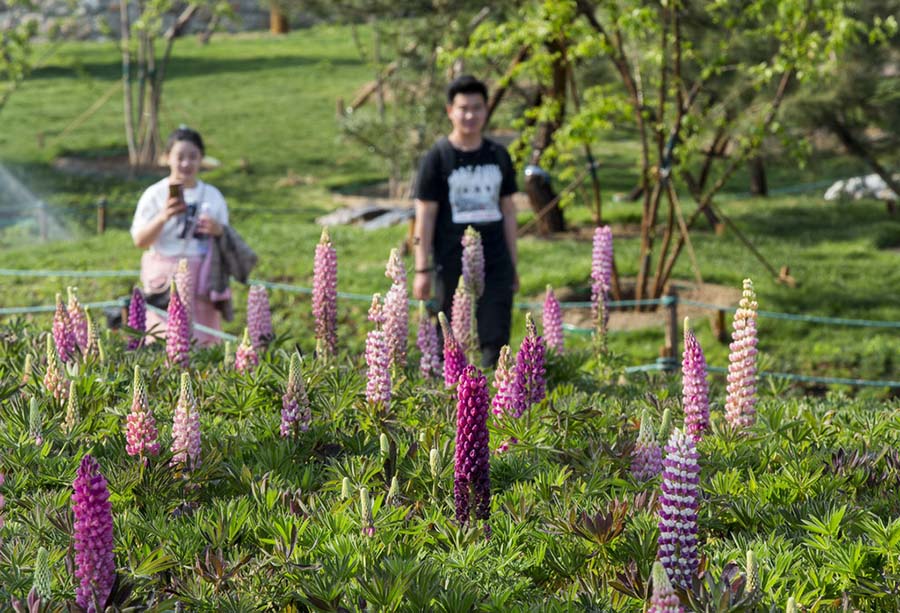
(217, 333)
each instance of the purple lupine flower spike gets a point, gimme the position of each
(646, 459)
(140, 430)
(324, 298)
(427, 342)
(259, 317)
(695, 388)
(473, 262)
(471, 476)
(678, 510)
(77, 319)
(740, 403)
(246, 359)
(461, 316)
(505, 397)
(95, 563)
(396, 311)
(454, 356)
(178, 331)
(54, 378)
(295, 410)
(553, 324)
(186, 428)
(530, 369)
(62, 333)
(378, 373)
(601, 277)
(664, 599)
(137, 318)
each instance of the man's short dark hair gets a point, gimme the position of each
(466, 84)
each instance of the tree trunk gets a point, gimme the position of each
(857, 148)
(758, 185)
(278, 21)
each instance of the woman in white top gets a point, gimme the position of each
(175, 219)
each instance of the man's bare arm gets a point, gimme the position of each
(510, 229)
(423, 239)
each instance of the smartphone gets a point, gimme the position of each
(175, 190)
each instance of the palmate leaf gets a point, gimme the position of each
(153, 563)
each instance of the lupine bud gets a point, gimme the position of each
(454, 357)
(73, 409)
(791, 606)
(384, 443)
(186, 428)
(77, 319)
(678, 510)
(434, 462)
(324, 296)
(259, 317)
(137, 318)
(394, 491)
(530, 365)
(366, 520)
(695, 389)
(505, 445)
(506, 401)
(601, 276)
(378, 374)
(178, 331)
(140, 431)
(228, 355)
(63, 335)
(35, 421)
(752, 590)
(473, 262)
(665, 427)
(246, 359)
(42, 583)
(54, 380)
(740, 403)
(664, 599)
(95, 564)
(471, 476)
(346, 488)
(184, 281)
(427, 342)
(396, 311)
(553, 324)
(27, 369)
(93, 347)
(646, 459)
(295, 410)
(461, 316)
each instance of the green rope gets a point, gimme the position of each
(52, 308)
(834, 321)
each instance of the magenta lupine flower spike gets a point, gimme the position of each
(186, 428)
(62, 333)
(740, 403)
(646, 459)
(54, 379)
(137, 318)
(427, 342)
(471, 476)
(530, 365)
(246, 359)
(396, 311)
(259, 317)
(295, 410)
(95, 562)
(324, 297)
(140, 430)
(695, 388)
(77, 319)
(601, 276)
(553, 324)
(461, 316)
(473, 262)
(664, 599)
(378, 373)
(178, 331)
(184, 281)
(505, 397)
(678, 510)
(454, 356)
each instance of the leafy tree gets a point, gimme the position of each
(17, 33)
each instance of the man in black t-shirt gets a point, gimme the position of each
(468, 180)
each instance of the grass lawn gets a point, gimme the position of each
(265, 106)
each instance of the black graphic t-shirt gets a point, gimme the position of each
(468, 195)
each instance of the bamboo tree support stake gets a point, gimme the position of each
(101, 215)
(669, 352)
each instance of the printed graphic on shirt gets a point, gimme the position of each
(475, 194)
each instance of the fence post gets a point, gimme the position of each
(718, 326)
(101, 215)
(669, 351)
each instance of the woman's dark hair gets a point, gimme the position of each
(466, 84)
(186, 134)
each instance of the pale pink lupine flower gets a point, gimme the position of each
(55, 381)
(461, 316)
(186, 428)
(178, 330)
(740, 403)
(140, 431)
(506, 401)
(63, 336)
(695, 388)
(295, 410)
(246, 359)
(396, 311)
(77, 319)
(259, 317)
(324, 297)
(473, 262)
(601, 276)
(427, 342)
(553, 324)
(184, 281)
(378, 373)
